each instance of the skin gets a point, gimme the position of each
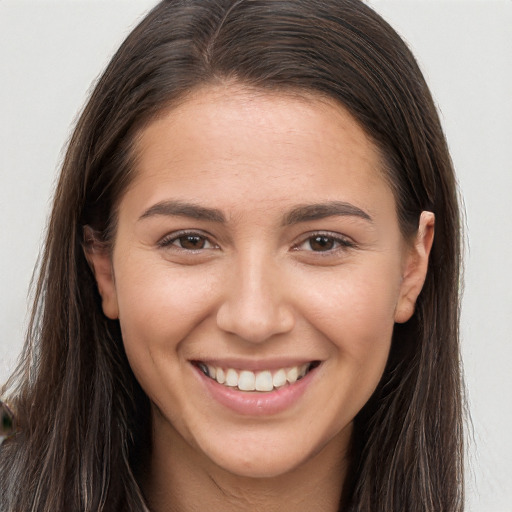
(260, 287)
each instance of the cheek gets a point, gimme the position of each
(158, 302)
(159, 307)
(355, 310)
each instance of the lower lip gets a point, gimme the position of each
(254, 403)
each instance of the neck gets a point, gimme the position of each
(182, 480)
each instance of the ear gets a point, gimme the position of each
(415, 268)
(99, 258)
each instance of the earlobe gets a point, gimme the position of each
(415, 270)
(99, 258)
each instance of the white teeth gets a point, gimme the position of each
(220, 376)
(212, 371)
(246, 381)
(264, 381)
(231, 378)
(292, 375)
(279, 379)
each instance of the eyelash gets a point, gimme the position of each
(340, 243)
(169, 241)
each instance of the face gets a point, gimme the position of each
(257, 271)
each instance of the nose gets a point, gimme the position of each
(255, 305)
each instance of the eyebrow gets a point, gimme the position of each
(182, 209)
(310, 212)
(302, 213)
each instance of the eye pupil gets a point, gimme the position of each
(192, 242)
(321, 243)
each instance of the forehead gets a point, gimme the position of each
(242, 144)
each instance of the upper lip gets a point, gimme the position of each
(255, 364)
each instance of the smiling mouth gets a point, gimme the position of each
(262, 381)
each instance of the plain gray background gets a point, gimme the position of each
(51, 52)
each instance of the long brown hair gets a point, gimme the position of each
(83, 419)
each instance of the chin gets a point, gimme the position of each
(262, 466)
(268, 457)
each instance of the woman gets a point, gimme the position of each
(242, 303)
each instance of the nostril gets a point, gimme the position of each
(254, 323)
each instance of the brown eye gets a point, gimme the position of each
(191, 242)
(325, 243)
(321, 243)
(187, 241)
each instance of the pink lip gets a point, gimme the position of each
(258, 365)
(255, 403)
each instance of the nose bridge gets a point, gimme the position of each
(255, 306)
